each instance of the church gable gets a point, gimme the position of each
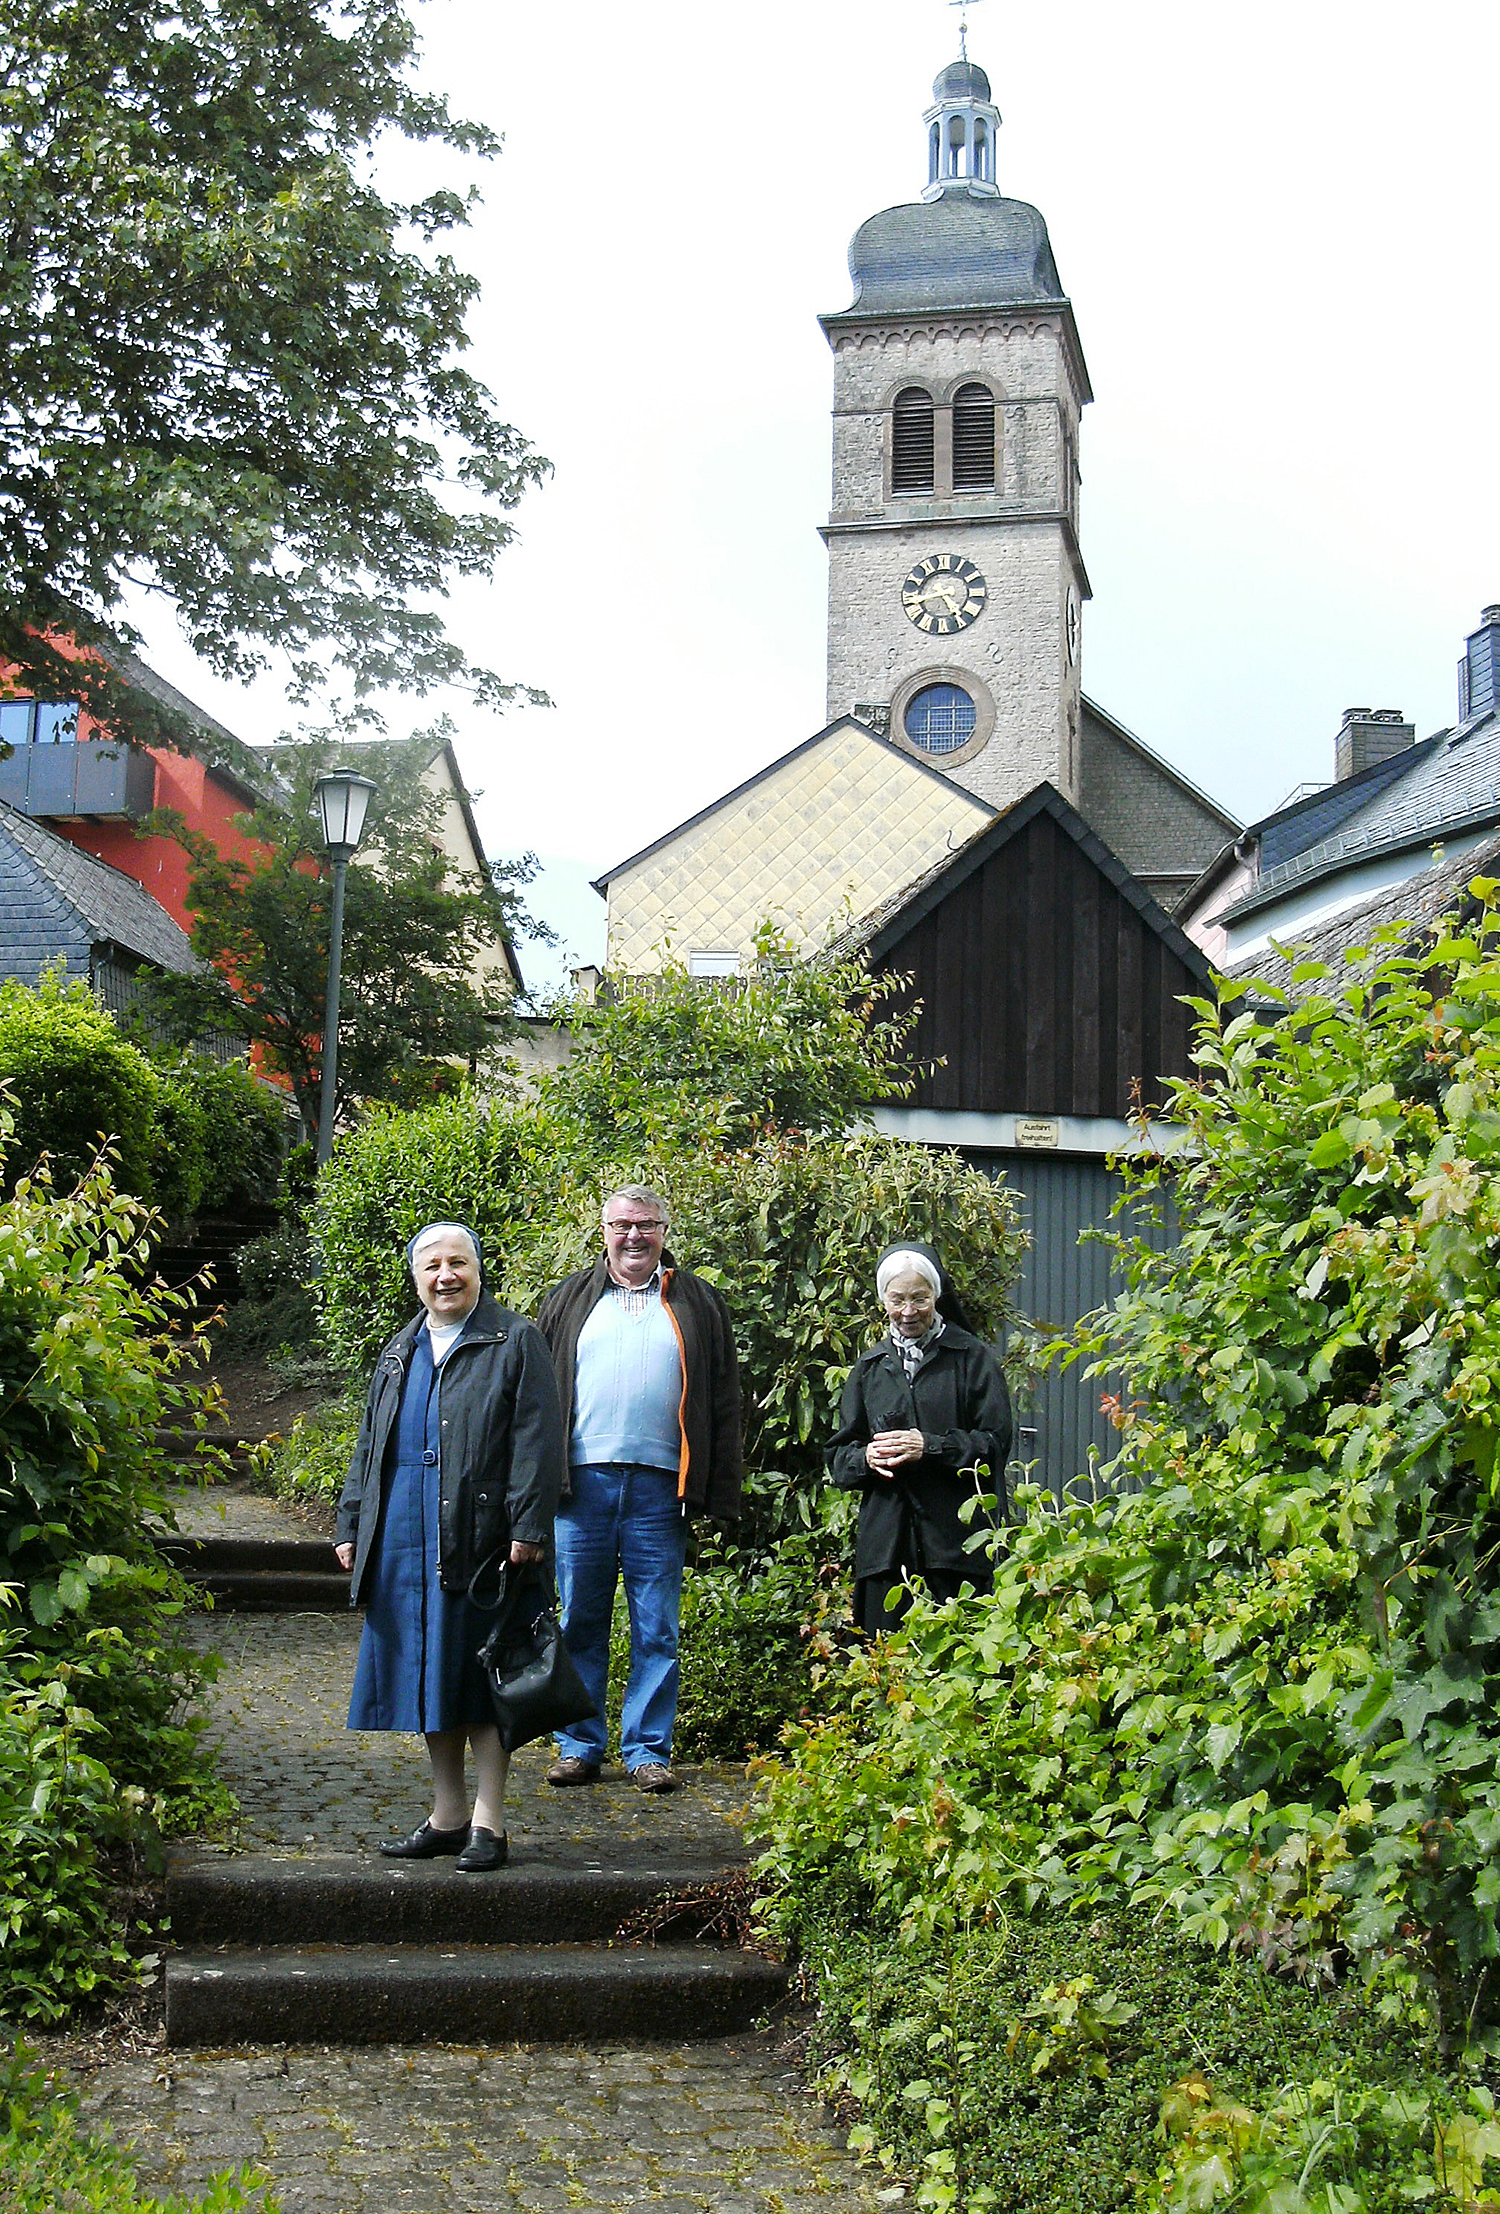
(828, 831)
(1160, 825)
(1050, 983)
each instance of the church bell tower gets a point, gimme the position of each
(955, 580)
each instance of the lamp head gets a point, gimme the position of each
(343, 802)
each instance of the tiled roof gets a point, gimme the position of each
(1417, 902)
(1450, 783)
(112, 906)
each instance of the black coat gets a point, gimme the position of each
(959, 1402)
(710, 1471)
(500, 1465)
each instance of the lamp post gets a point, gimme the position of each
(343, 800)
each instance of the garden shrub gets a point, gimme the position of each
(246, 1126)
(1257, 1687)
(52, 2165)
(179, 1171)
(73, 1081)
(1061, 2063)
(97, 1748)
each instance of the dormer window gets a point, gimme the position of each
(912, 441)
(973, 439)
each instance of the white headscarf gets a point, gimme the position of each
(906, 1263)
(437, 1229)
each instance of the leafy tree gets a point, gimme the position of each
(230, 366)
(795, 1045)
(414, 997)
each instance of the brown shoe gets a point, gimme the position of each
(653, 1776)
(573, 1771)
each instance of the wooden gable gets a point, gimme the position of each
(1050, 982)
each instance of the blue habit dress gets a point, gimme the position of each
(416, 1668)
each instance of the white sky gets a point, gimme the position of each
(1278, 230)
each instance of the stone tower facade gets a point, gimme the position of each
(956, 584)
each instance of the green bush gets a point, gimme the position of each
(275, 1312)
(73, 1081)
(1258, 1688)
(246, 1128)
(52, 2165)
(312, 1460)
(1068, 2064)
(97, 1749)
(179, 1172)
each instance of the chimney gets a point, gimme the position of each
(1479, 670)
(1368, 735)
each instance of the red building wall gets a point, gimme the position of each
(208, 800)
(205, 799)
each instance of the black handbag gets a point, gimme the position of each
(534, 1687)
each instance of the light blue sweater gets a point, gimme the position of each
(627, 1383)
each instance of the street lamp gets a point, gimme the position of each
(343, 801)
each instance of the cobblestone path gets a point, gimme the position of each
(722, 2128)
(727, 2125)
(306, 1784)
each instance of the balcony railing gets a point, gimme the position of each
(96, 777)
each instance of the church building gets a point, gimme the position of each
(956, 588)
(967, 816)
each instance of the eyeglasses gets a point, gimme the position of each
(624, 1229)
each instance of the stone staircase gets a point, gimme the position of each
(346, 1951)
(262, 1575)
(345, 1948)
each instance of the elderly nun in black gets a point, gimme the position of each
(925, 1426)
(459, 1462)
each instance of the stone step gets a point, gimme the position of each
(217, 1555)
(278, 1591)
(248, 1575)
(466, 1994)
(269, 1899)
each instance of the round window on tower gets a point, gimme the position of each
(941, 718)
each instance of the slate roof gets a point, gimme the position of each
(47, 880)
(1449, 783)
(1419, 902)
(959, 251)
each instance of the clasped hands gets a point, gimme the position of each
(889, 1450)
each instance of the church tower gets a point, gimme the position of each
(955, 578)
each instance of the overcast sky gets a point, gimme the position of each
(1278, 230)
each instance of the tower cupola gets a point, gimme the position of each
(962, 125)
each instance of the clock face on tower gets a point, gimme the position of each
(944, 593)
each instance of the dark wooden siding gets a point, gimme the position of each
(1043, 989)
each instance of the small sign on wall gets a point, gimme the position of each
(1036, 1131)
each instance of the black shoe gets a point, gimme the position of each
(426, 1843)
(483, 1851)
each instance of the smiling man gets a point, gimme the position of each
(650, 1389)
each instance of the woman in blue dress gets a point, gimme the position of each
(459, 1463)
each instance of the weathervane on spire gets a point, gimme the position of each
(963, 7)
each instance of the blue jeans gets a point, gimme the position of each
(623, 1520)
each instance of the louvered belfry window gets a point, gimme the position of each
(911, 441)
(973, 438)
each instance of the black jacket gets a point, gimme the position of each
(500, 1452)
(959, 1402)
(710, 1471)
